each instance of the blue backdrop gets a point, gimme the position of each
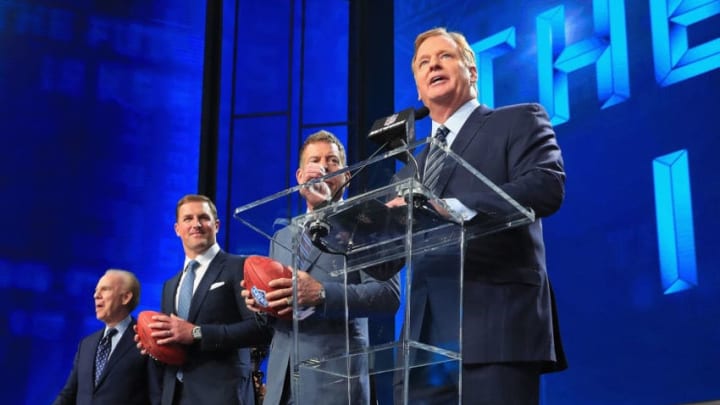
(100, 106)
(100, 102)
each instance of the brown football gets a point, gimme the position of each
(259, 270)
(172, 353)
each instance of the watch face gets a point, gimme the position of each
(196, 332)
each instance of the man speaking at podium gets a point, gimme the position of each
(509, 325)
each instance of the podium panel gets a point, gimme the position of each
(416, 249)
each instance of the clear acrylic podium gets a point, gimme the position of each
(425, 237)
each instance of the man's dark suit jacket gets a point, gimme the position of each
(218, 369)
(129, 378)
(509, 308)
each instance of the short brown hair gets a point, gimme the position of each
(323, 136)
(195, 198)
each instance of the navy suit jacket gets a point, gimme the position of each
(129, 378)
(509, 309)
(218, 368)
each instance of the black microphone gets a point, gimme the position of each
(398, 129)
(400, 132)
(318, 229)
(421, 113)
(391, 132)
(416, 196)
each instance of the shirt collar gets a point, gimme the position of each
(457, 120)
(120, 327)
(206, 257)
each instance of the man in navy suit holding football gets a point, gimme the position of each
(211, 321)
(509, 325)
(108, 368)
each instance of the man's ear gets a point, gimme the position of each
(473, 74)
(346, 180)
(127, 297)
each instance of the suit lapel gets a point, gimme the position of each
(126, 342)
(171, 293)
(314, 254)
(211, 274)
(468, 133)
(470, 129)
(287, 245)
(91, 353)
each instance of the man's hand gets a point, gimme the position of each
(396, 202)
(169, 329)
(139, 345)
(438, 205)
(308, 290)
(280, 301)
(281, 297)
(440, 208)
(250, 302)
(317, 193)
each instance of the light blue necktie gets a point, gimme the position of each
(186, 290)
(185, 298)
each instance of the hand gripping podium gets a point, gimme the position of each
(420, 246)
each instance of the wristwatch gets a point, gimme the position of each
(321, 294)
(196, 333)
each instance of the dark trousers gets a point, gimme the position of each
(177, 397)
(482, 384)
(502, 384)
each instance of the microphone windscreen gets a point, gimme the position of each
(421, 113)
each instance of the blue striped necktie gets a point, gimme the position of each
(434, 162)
(304, 252)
